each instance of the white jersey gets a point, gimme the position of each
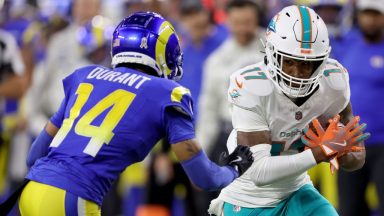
(271, 110)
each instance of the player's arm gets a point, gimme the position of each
(352, 160)
(201, 171)
(267, 169)
(41, 144)
(253, 131)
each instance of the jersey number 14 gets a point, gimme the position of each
(119, 100)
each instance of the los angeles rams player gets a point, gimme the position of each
(111, 118)
(273, 101)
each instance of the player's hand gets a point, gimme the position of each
(336, 140)
(240, 159)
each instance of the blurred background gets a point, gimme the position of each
(42, 41)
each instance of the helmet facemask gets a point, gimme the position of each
(178, 71)
(290, 85)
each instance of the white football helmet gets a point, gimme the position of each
(296, 32)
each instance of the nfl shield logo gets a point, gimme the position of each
(236, 208)
(298, 115)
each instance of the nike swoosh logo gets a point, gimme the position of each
(239, 84)
(238, 159)
(340, 144)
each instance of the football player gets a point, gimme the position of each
(111, 118)
(273, 103)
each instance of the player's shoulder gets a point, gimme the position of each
(169, 93)
(335, 75)
(253, 79)
(173, 90)
(167, 86)
(248, 84)
(79, 74)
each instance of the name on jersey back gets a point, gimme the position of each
(129, 79)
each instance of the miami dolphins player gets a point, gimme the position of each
(111, 118)
(273, 102)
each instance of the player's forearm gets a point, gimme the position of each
(352, 161)
(267, 169)
(207, 175)
(39, 147)
(41, 144)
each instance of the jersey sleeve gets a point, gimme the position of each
(247, 88)
(336, 76)
(58, 117)
(179, 127)
(247, 120)
(248, 85)
(337, 80)
(178, 116)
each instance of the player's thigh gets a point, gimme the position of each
(308, 201)
(44, 200)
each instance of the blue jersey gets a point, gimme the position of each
(108, 121)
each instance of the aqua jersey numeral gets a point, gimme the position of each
(119, 101)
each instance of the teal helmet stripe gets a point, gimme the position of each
(306, 36)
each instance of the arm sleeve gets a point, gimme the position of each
(39, 147)
(207, 175)
(267, 169)
(200, 170)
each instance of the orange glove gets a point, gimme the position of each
(336, 140)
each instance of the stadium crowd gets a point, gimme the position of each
(43, 41)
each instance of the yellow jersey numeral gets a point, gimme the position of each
(119, 100)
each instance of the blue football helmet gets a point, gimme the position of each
(147, 38)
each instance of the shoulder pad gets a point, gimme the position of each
(249, 83)
(180, 98)
(335, 75)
